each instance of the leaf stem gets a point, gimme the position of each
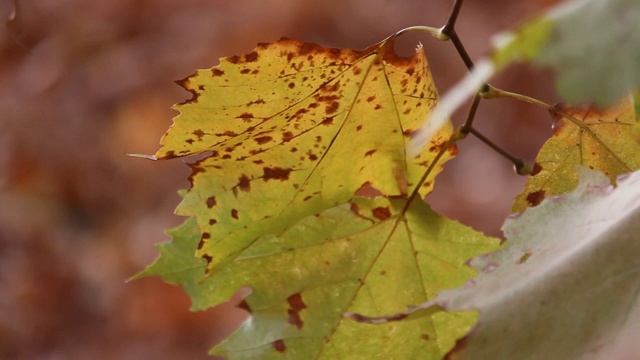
(435, 32)
(492, 93)
(519, 165)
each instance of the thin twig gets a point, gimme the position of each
(519, 165)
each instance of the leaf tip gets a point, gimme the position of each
(143, 156)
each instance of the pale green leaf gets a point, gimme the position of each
(568, 284)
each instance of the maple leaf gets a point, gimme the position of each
(566, 286)
(366, 256)
(293, 128)
(602, 140)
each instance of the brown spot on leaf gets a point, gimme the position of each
(312, 156)
(194, 96)
(228, 133)
(292, 85)
(287, 136)
(244, 183)
(213, 221)
(170, 155)
(327, 121)
(245, 71)
(234, 214)
(332, 108)
(244, 305)
(378, 107)
(369, 153)
(276, 173)
(371, 98)
(368, 190)
(259, 101)
(263, 139)
(327, 98)
(408, 132)
(425, 337)
(357, 70)
(279, 346)
(524, 258)
(536, 197)
(359, 127)
(251, 57)
(211, 202)
(201, 243)
(410, 71)
(381, 213)
(331, 88)
(536, 169)
(233, 59)
(296, 305)
(245, 116)
(199, 133)
(217, 72)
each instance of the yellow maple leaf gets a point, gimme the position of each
(293, 128)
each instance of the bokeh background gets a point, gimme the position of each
(84, 82)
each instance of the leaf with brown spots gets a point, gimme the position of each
(294, 128)
(566, 287)
(603, 140)
(365, 256)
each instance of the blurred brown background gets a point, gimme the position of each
(84, 82)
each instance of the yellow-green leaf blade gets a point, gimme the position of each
(293, 128)
(602, 140)
(373, 261)
(177, 263)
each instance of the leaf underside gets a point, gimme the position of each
(592, 46)
(567, 285)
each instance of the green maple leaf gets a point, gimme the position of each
(366, 256)
(605, 140)
(566, 286)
